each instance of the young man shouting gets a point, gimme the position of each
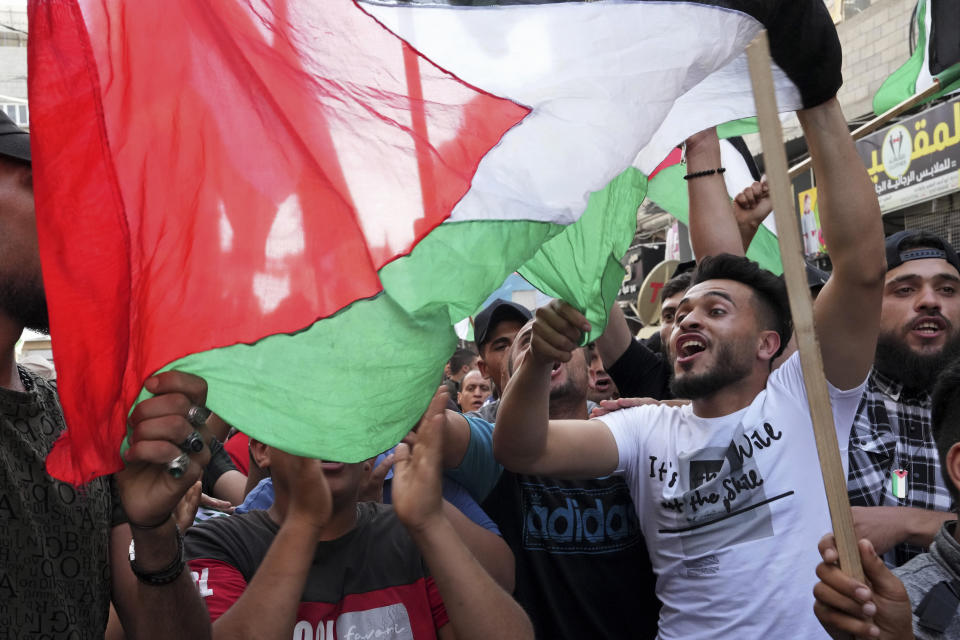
(728, 489)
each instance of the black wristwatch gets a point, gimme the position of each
(164, 576)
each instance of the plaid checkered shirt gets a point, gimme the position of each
(892, 430)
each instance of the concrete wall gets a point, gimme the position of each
(875, 43)
(13, 49)
(13, 72)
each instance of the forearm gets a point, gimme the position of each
(487, 547)
(231, 486)
(850, 214)
(268, 606)
(173, 610)
(456, 439)
(616, 337)
(713, 228)
(520, 436)
(216, 425)
(747, 229)
(922, 525)
(476, 605)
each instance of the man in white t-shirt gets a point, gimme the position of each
(728, 490)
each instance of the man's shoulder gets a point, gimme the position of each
(648, 414)
(920, 574)
(240, 540)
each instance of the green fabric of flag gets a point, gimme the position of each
(914, 75)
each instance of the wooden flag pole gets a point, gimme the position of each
(878, 122)
(801, 306)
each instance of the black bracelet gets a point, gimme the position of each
(700, 174)
(164, 576)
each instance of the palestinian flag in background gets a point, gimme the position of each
(298, 200)
(937, 56)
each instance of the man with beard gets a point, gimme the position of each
(66, 547)
(582, 570)
(728, 488)
(895, 485)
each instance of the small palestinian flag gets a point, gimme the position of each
(937, 56)
(297, 200)
(898, 483)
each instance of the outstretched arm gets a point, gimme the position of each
(853, 231)
(149, 495)
(615, 338)
(525, 439)
(477, 607)
(713, 227)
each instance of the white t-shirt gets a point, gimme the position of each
(732, 509)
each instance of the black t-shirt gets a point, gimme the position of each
(641, 373)
(55, 554)
(582, 567)
(219, 464)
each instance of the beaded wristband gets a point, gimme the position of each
(164, 576)
(700, 174)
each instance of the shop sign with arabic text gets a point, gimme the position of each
(916, 159)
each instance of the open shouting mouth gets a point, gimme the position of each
(688, 346)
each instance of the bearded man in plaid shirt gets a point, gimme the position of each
(895, 485)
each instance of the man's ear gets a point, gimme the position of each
(953, 464)
(482, 366)
(769, 344)
(260, 453)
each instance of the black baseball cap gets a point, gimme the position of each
(816, 277)
(925, 245)
(14, 141)
(496, 312)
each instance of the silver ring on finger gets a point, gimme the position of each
(198, 416)
(193, 443)
(178, 466)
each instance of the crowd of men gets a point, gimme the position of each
(623, 489)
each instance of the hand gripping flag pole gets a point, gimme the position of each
(801, 307)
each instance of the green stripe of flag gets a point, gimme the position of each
(664, 190)
(373, 367)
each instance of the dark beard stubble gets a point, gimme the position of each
(914, 370)
(728, 370)
(24, 301)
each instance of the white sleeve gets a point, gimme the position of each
(627, 426)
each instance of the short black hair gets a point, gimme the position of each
(945, 416)
(676, 284)
(461, 358)
(769, 290)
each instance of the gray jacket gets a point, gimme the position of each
(941, 562)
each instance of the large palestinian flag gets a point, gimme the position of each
(936, 56)
(297, 200)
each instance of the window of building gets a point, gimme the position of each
(18, 112)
